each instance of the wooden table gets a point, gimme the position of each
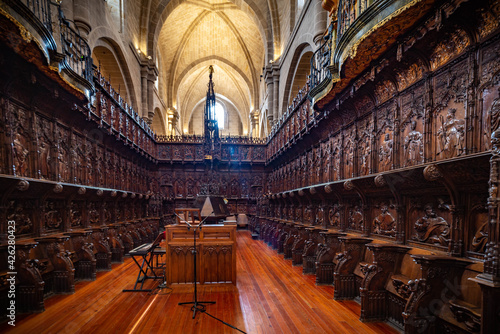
(216, 254)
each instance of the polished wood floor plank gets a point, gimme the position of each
(271, 296)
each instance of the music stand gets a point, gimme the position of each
(143, 252)
(197, 305)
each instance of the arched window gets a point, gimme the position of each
(300, 5)
(220, 115)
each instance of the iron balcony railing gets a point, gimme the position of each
(77, 51)
(321, 59)
(349, 11)
(41, 9)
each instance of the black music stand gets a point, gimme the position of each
(146, 252)
(197, 305)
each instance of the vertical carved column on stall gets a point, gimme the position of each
(428, 151)
(457, 230)
(400, 224)
(102, 215)
(81, 16)
(396, 136)
(343, 217)
(472, 136)
(489, 280)
(373, 144)
(367, 219)
(38, 221)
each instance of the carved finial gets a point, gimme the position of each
(82, 190)
(328, 189)
(99, 192)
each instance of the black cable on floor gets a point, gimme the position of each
(225, 323)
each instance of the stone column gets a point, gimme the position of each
(254, 123)
(268, 77)
(149, 73)
(276, 95)
(81, 16)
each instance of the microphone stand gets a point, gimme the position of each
(197, 305)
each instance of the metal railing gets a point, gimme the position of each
(197, 139)
(320, 61)
(349, 11)
(106, 86)
(41, 9)
(76, 50)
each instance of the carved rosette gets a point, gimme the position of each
(99, 192)
(22, 185)
(348, 185)
(380, 181)
(58, 188)
(82, 191)
(432, 173)
(328, 189)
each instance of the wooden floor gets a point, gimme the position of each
(271, 296)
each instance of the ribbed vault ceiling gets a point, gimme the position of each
(197, 34)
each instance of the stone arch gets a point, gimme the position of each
(159, 124)
(297, 74)
(100, 37)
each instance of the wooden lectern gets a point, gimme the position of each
(190, 215)
(216, 249)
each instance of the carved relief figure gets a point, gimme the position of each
(384, 223)
(349, 156)
(431, 228)
(334, 217)
(413, 146)
(62, 162)
(53, 219)
(385, 152)
(355, 218)
(364, 157)
(18, 214)
(451, 135)
(308, 215)
(20, 154)
(76, 215)
(44, 151)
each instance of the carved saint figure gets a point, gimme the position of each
(53, 219)
(20, 153)
(480, 238)
(431, 228)
(365, 157)
(334, 217)
(384, 223)
(356, 218)
(385, 152)
(451, 135)
(414, 153)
